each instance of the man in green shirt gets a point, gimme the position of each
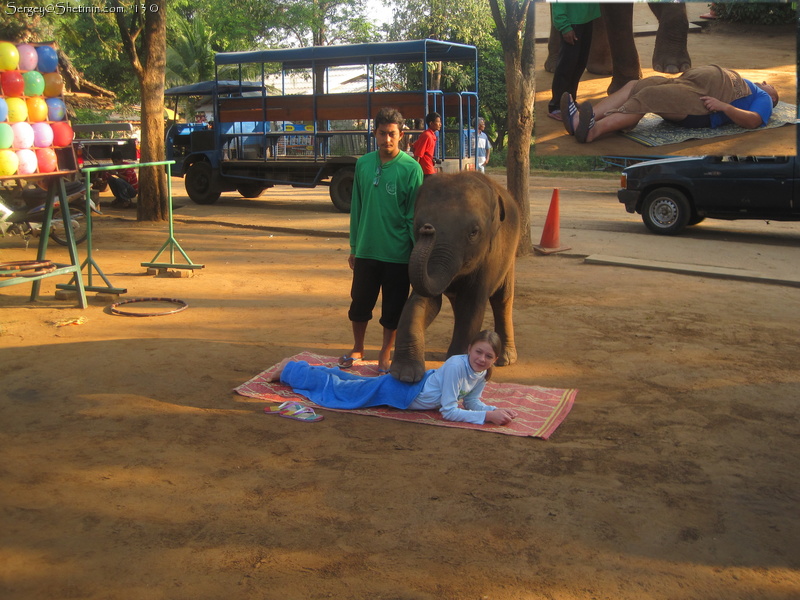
(381, 235)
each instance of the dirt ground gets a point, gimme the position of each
(132, 471)
(758, 52)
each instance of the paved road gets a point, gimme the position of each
(592, 222)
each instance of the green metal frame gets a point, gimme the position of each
(75, 266)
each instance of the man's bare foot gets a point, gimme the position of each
(276, 374)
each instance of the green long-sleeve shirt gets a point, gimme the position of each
(382, 208)
(566, 14)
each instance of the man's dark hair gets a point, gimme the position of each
(432, 117)
(388, 115)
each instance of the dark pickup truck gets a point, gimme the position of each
(675, 192)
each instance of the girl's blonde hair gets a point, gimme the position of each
(490, 337)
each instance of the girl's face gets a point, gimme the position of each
(481, 356)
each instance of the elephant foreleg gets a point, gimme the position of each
(502, 302)
(408, 363)
(619, 25)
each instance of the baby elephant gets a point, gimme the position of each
(467, 230)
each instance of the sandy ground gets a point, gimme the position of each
(131, 471)
(759, 53)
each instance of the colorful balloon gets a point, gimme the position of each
(23, 135)
(37, 109)
(34, 83)
(47, 159)
(13, 84)
(28, 59)
(9, 56)
(3, 109)
(42, 135)
(56, 111)
(8, 163)
(6, 135)
(62, 134)
(53, 85)
(48, 59)
(17, 110)
(27, 162)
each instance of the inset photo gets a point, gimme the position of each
(664, 79)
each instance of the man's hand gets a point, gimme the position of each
(713, 104)
(351, 260)
(570, 37)
(743, 118)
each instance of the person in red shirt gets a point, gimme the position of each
(425, 146)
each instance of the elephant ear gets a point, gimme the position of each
(499, 214)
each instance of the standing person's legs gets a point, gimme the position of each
(364, 295)
(568, 61)
(394, 290)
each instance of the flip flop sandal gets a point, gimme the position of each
(585, 123)
(347, 362)
(294, 411)
(555, 115)
(568, 107)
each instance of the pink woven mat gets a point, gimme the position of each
(541, 410)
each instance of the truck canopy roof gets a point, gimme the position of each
(206, 88)
(355, 54)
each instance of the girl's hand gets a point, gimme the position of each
(501, 416)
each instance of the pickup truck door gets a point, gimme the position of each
(754, 184)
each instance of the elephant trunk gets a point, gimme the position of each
(431, 268)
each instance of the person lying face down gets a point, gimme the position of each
(462, 377)
(708, 96)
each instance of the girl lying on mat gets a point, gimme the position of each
(461, 377)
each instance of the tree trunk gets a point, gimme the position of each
(149, 63)
(520, 88)
(153, 193)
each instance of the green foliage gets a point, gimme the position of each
(190, 54)
(563, 163)
(756, 13)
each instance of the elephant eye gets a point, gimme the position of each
(476, 230)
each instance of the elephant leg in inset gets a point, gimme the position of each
(553, 45)
(624, 56)
(469, 307)
(599, 53)
(502, 302)
(671, 54)
(408, 363)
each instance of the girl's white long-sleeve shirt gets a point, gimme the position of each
(453, 381)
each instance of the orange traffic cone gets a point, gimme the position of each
(550, 242)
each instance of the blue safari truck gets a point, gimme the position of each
(303, 116)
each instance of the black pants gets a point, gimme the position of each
(371, 277)
(572, 59)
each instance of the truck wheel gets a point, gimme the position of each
(201, 183)
(342, 188)
(666, 211)
(251, 191)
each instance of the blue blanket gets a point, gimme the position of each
(334, 388)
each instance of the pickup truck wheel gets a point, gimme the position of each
(201, 183)
(666, 211)
(250, 191)
(342, 188)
